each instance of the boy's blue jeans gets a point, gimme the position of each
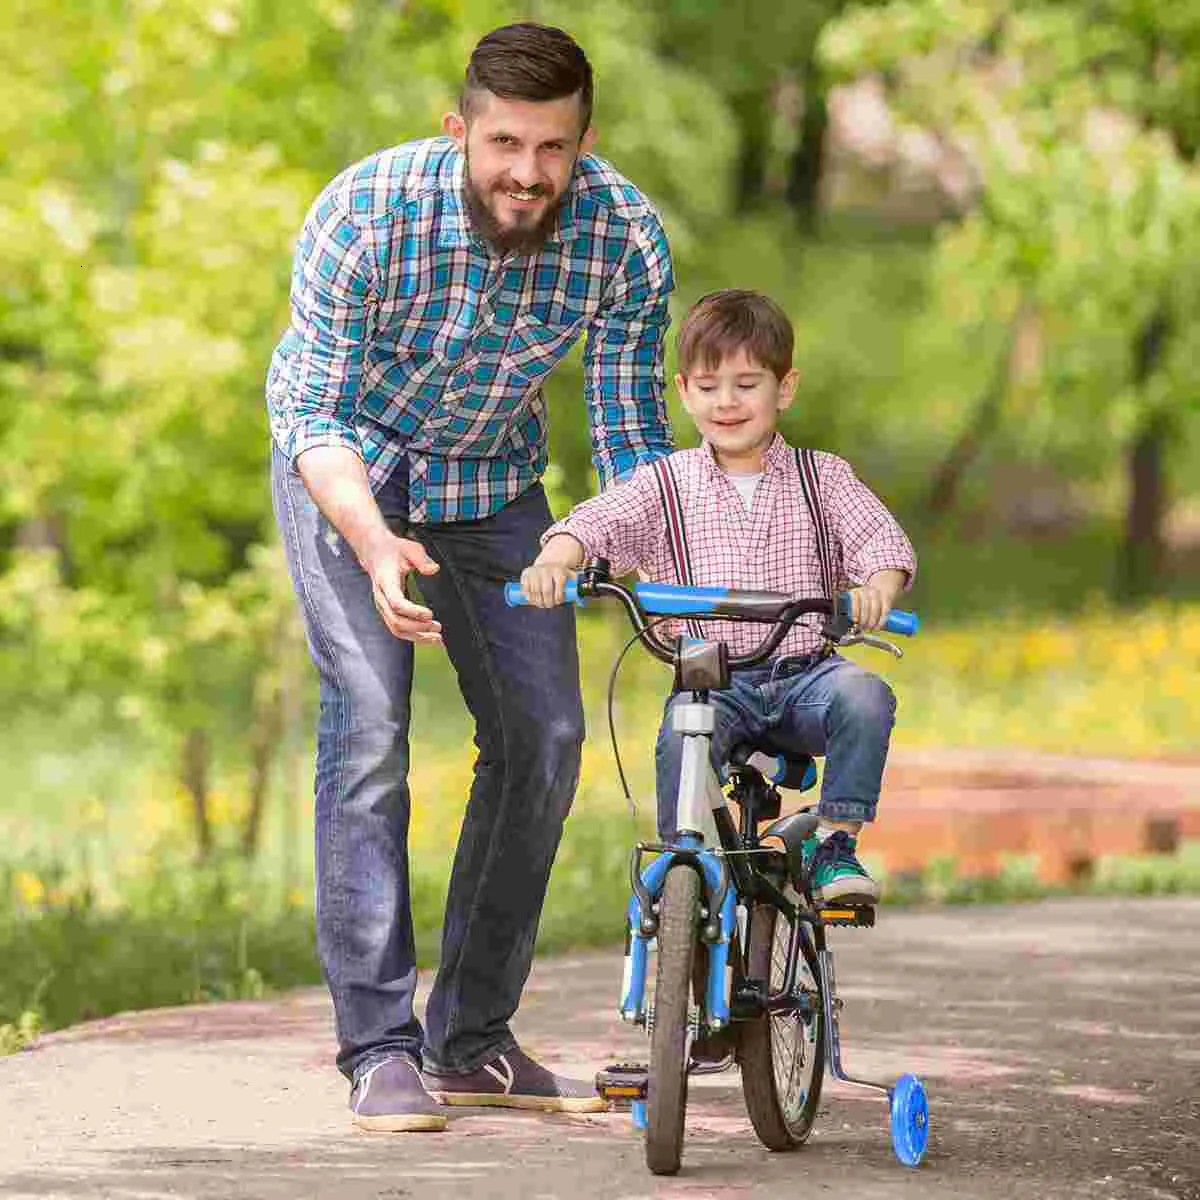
(519, 675)
(828, 706)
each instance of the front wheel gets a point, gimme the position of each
(782, 1054)
(678, 924)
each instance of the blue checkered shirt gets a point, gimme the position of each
(418, 347)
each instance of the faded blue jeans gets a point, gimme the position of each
(828, 706)
(519, 675)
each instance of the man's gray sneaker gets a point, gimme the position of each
(390, 1097)
(514, 1080)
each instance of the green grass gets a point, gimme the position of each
(187, 934)
(100, 911)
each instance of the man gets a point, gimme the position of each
(435, 286)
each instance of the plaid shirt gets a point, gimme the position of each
(418, 347)
(772, 547)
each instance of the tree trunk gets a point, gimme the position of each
(1140, 561)
(265, 740)
(195, 776)
(804, 170)
(1017, 360)
(753, 113)
(268, 724)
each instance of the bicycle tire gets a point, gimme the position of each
(666, 1103)
(782, 1057)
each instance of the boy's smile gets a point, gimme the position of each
(736, 406)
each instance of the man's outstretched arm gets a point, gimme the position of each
(337, 481)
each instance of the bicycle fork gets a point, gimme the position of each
(716, 929)
(697, 796)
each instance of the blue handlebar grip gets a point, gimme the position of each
(904, 623)
(515, 598)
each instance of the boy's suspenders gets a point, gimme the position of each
(668, 493)
(810, 485)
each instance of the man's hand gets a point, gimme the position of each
(871, 603)
(337, 480)
(388, 561)
(544, 580)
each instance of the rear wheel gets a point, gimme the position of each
(678, 923)
(782, 1054)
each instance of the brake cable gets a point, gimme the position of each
(612, 726)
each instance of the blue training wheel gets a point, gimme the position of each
(910, 1120)
(637, 1113)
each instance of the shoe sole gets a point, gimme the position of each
(849, 894)
(401, 1123)
(568, 1104)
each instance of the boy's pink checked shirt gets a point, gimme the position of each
(773, 547)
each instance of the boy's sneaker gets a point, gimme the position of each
(835, 874)
(514, 1080)
(390, 1097)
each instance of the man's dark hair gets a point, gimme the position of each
(529, 62)
(722, 323)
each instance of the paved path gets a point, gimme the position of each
(1060, 1042)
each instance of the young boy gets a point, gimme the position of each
(754, 513)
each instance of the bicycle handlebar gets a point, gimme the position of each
(665, 599)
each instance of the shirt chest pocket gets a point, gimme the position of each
(534, 346)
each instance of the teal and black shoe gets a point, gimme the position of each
(834, 872)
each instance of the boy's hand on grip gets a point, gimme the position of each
(869, 606)
(871, 603)
(545, 578)
(543, 583)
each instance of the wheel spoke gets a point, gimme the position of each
(782, 1069)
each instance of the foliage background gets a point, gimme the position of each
(984, 218)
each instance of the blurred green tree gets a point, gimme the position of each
(156, 161)
(1082, 122)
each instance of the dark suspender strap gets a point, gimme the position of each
(810, 484)
(668, 493)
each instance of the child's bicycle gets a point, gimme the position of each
(744, 972)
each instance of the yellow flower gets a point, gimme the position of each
(224, 809)
(31, 891)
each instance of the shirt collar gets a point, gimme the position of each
(456, 228)
(775, 457)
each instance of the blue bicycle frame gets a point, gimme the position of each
(699, 795)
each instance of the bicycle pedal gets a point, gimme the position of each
(623, 1082)
(853, 915)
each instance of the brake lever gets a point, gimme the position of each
(858, 638)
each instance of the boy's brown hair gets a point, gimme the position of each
(722, 323)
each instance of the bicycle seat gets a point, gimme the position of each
(795, 771)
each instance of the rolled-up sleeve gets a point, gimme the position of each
(623, 524)
(315, 379)
(870, 537)
(623, 359)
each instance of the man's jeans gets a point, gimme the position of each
(826, 706)
(518, 673)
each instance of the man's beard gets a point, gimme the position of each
(507, 240)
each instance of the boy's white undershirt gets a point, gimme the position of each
(745, 485)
